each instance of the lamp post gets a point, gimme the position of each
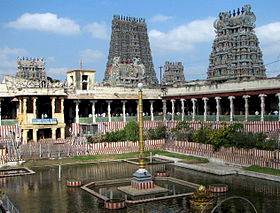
(140, 123)
(142, 179)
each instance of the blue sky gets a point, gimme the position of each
(66, 31)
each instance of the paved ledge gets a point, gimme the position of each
(217, 167)
(260, 175)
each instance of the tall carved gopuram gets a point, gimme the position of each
(31, 68)
(129, 48)
(173, 74)
(236, 53)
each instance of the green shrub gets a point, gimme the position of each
(131, 131)
(202, 135)
(182, 132)
(156, 133)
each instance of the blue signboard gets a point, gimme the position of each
(44, 121)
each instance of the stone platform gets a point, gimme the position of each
(136, 192)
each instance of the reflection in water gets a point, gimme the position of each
(42, 192)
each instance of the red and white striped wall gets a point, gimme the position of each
(142, 185)
(6, 130)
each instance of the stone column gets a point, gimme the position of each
(93, 111)
(231, 107)
(193, 108)
(109, 110)
(205, 109)
(124, 111)
(62, 105)
(183, 109)
(172, 109)
(77, 118)
(54, 133)
(152, 110)
(262, 97)
(62, 132)
(164, 109)
(35, 107)
(24, 105)
(278, 95)
(19, 106)
(24, 136)
(34, 132)
(218, 108)
(53, 106)
(246, 106)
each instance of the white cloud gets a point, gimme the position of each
(8, 58)
(160, 18)
(91, 56)
(47, 22)
(269, 36)
(97, 30)
(184, 37)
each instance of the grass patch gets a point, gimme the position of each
(108, 157)
(184, 158)
(81, 159)
(264, 170)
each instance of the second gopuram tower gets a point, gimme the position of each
(236, 53)
(129, 46)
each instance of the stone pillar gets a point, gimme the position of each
(54, 133)
(246, 106)
(278, 95)
(77, 118)
(24, 105)
(93, 111)
(231, 107)
(53, 106)
(35, 138)
(35, 107)
(183, 109)
(164, 109)
(172, 109)
(19, 106)
(262, 97)
(62, 132)
(205, 109)
(109, 110)
(124, 111)
(152, 110)
(193, 108)
(218, 108)
(62, 105)
(62, 109)
(24, 136)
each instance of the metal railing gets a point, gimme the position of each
(178, 117)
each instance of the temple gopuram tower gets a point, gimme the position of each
(31, 68)
(236, 53)
(173, 73)
(129, 45)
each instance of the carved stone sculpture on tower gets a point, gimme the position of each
(236, 53)
(173, 74)
(130, 45)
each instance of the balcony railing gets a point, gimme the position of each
(240, 118)
(44, 121)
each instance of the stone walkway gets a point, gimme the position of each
(220, 168)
